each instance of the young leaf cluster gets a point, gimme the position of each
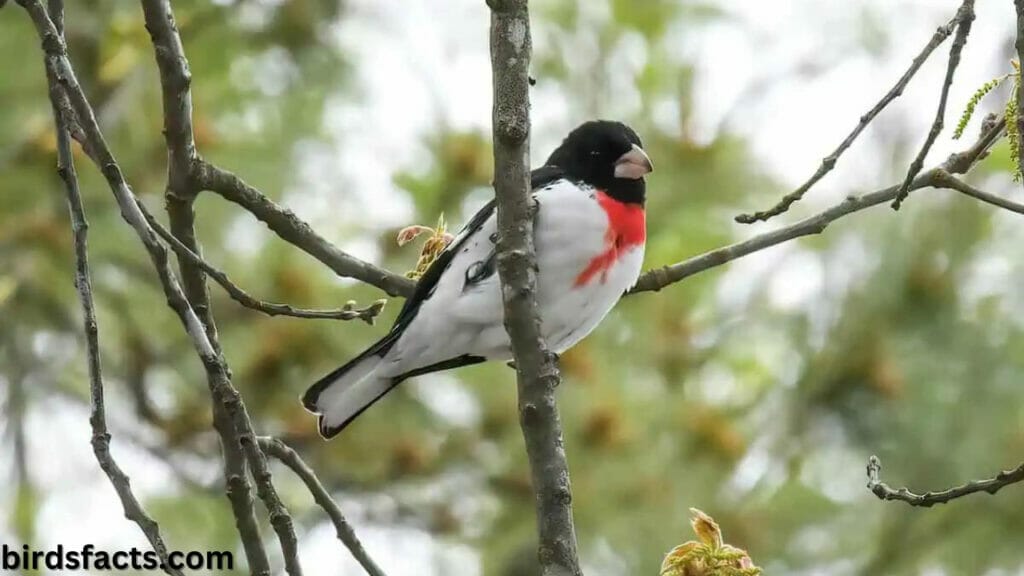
(709, 555)
(1011, 112)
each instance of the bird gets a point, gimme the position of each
(589, 235)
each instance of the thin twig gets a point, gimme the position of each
(217, 373)
(295, 231)
(944, 179)
(829, 162)
(658, 278)
(964, 19)
(929, 499)
(348, 312)
(290, 458)
(80, 229)
(536, 367)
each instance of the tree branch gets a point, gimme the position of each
(929, 499)
(293, 230)
(188, 174)
(80, 229)
(946, 180)
(829, 162)
(961, 163)
(964, 19)
(175, 80)
(349, 312)
(536, 367)
(290, 458)
(217, 372)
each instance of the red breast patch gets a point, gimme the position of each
(626, 228)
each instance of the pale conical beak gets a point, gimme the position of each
(633, 164)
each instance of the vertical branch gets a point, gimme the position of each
(536, 367)
(97, 418)
(175, 81)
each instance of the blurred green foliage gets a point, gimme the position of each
(713, 393)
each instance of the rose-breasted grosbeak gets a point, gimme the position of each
(589, 234)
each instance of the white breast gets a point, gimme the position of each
(571, 231)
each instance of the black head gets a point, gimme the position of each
(606, 155)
